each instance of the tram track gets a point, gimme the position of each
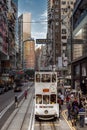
(18, 111)
(43, 125)
(53, 127)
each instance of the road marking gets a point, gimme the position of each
(50, 124)
(6, 109)
(31, 120)
(68, 122)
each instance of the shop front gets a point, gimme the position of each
(79, 75)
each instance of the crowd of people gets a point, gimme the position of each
(76, 107)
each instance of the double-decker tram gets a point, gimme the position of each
(46, 106)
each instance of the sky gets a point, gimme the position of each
(38, 10)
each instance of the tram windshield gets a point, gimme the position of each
(39, 99)
(52, 98)
(45, 99)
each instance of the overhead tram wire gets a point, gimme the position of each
(33, 22)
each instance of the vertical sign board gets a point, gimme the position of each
(65, 62)
(59, 62)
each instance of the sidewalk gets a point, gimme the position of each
(77, 127)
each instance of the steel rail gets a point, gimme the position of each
(51, 124)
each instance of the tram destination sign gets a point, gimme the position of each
(42, 41)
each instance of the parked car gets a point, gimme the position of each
(7, 81)
(2, 89)
(18, 89)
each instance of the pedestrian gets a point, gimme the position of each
(25, 94)
(75, 103)
(60, 107)
(16, 101)
(67, 100)
(82, 116)
(69, 108)
(62, 98)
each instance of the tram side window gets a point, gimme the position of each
(38, 99)
(37, 77)
(53, 77)
(45, 99)
(46, 78)
(52, 99)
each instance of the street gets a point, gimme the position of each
(7, 102)
(43, 64)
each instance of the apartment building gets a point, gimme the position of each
(29, 54)
(8, 11)
(24, 33)
(59, 13)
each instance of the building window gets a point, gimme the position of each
(72, 3)
(56, 3)
(64, 37)
(64, 44)
(56, 16)
(63, 2)
(63, 31)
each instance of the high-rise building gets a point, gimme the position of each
(79, 46)
(24, 32)
(66, 12)
(8, 13)
(26, 26)
(26, 43)
(3, 33)
(54, 29)
(59, 13)
(29, 54)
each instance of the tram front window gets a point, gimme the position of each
(52, 99)
(38, 99)
(45, 99)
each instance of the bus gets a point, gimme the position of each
(46, 106)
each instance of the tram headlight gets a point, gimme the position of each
(37, 113)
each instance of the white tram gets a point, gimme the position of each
(46, 106)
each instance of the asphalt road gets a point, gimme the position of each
(8, 97)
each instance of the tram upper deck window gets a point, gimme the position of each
(37, 77)
(46, 78)
(53, 77)
(38, 99)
